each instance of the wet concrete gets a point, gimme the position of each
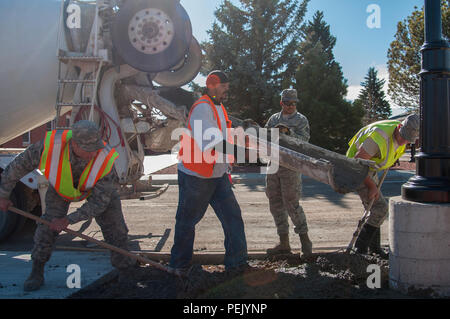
(329, 275)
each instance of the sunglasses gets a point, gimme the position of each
(290, 103)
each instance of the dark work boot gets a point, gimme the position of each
(375, 245)
(36, 278)
(282, 248)
(306, 245)
(365, 238)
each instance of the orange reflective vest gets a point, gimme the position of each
(55, 166)
(190, 153)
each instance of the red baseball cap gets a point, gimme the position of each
(216, 77)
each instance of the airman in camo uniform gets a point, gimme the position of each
(284, 188)
(103, 204)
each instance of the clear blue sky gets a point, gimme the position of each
(358, 47)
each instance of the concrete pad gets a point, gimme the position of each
(16, 266)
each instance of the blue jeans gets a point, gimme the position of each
(195, 194)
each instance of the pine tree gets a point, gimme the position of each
(372, 98)
(322, 89)
(255, 42)
(404, 57)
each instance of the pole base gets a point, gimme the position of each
(424, 190)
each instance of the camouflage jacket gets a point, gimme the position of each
(27, 161)
(297, 123)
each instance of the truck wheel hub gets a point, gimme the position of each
(151, 31)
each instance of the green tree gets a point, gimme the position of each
(322, 89)
(372, 98)
(404, 57)
(255, 42)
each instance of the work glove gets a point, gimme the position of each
(283, 128)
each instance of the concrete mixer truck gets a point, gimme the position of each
(90, 58)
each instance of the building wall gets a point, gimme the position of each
(28, 138)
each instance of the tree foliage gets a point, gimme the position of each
(372, 98)
(404, 57)
(322, 89)
(255, 42)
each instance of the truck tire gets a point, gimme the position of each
(152, 35)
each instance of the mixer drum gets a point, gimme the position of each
(28, 64)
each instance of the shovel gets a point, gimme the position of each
(100, 243)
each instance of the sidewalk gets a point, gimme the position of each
(16, 266)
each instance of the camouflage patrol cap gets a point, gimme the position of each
(87, 136)
(410, 128)
(289, 95)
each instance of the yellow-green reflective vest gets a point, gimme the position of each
(381, 133)
(55, 166)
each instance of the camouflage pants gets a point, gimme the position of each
(283, 189)
(111, 222)
(380, 207)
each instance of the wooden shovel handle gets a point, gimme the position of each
(100, 243)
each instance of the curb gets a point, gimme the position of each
(257, 178)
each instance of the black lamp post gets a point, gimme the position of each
(432, 180)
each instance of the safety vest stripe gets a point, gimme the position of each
(89, 168)
(49, 155)
(110, 164)
(70, 199)
(44, 156)
(388, 145)
(382, 133)
(362, 133)
(56, 153)
(60, 164)
(96, 168)
(104, 165)
(371, 129)
(388, 149)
